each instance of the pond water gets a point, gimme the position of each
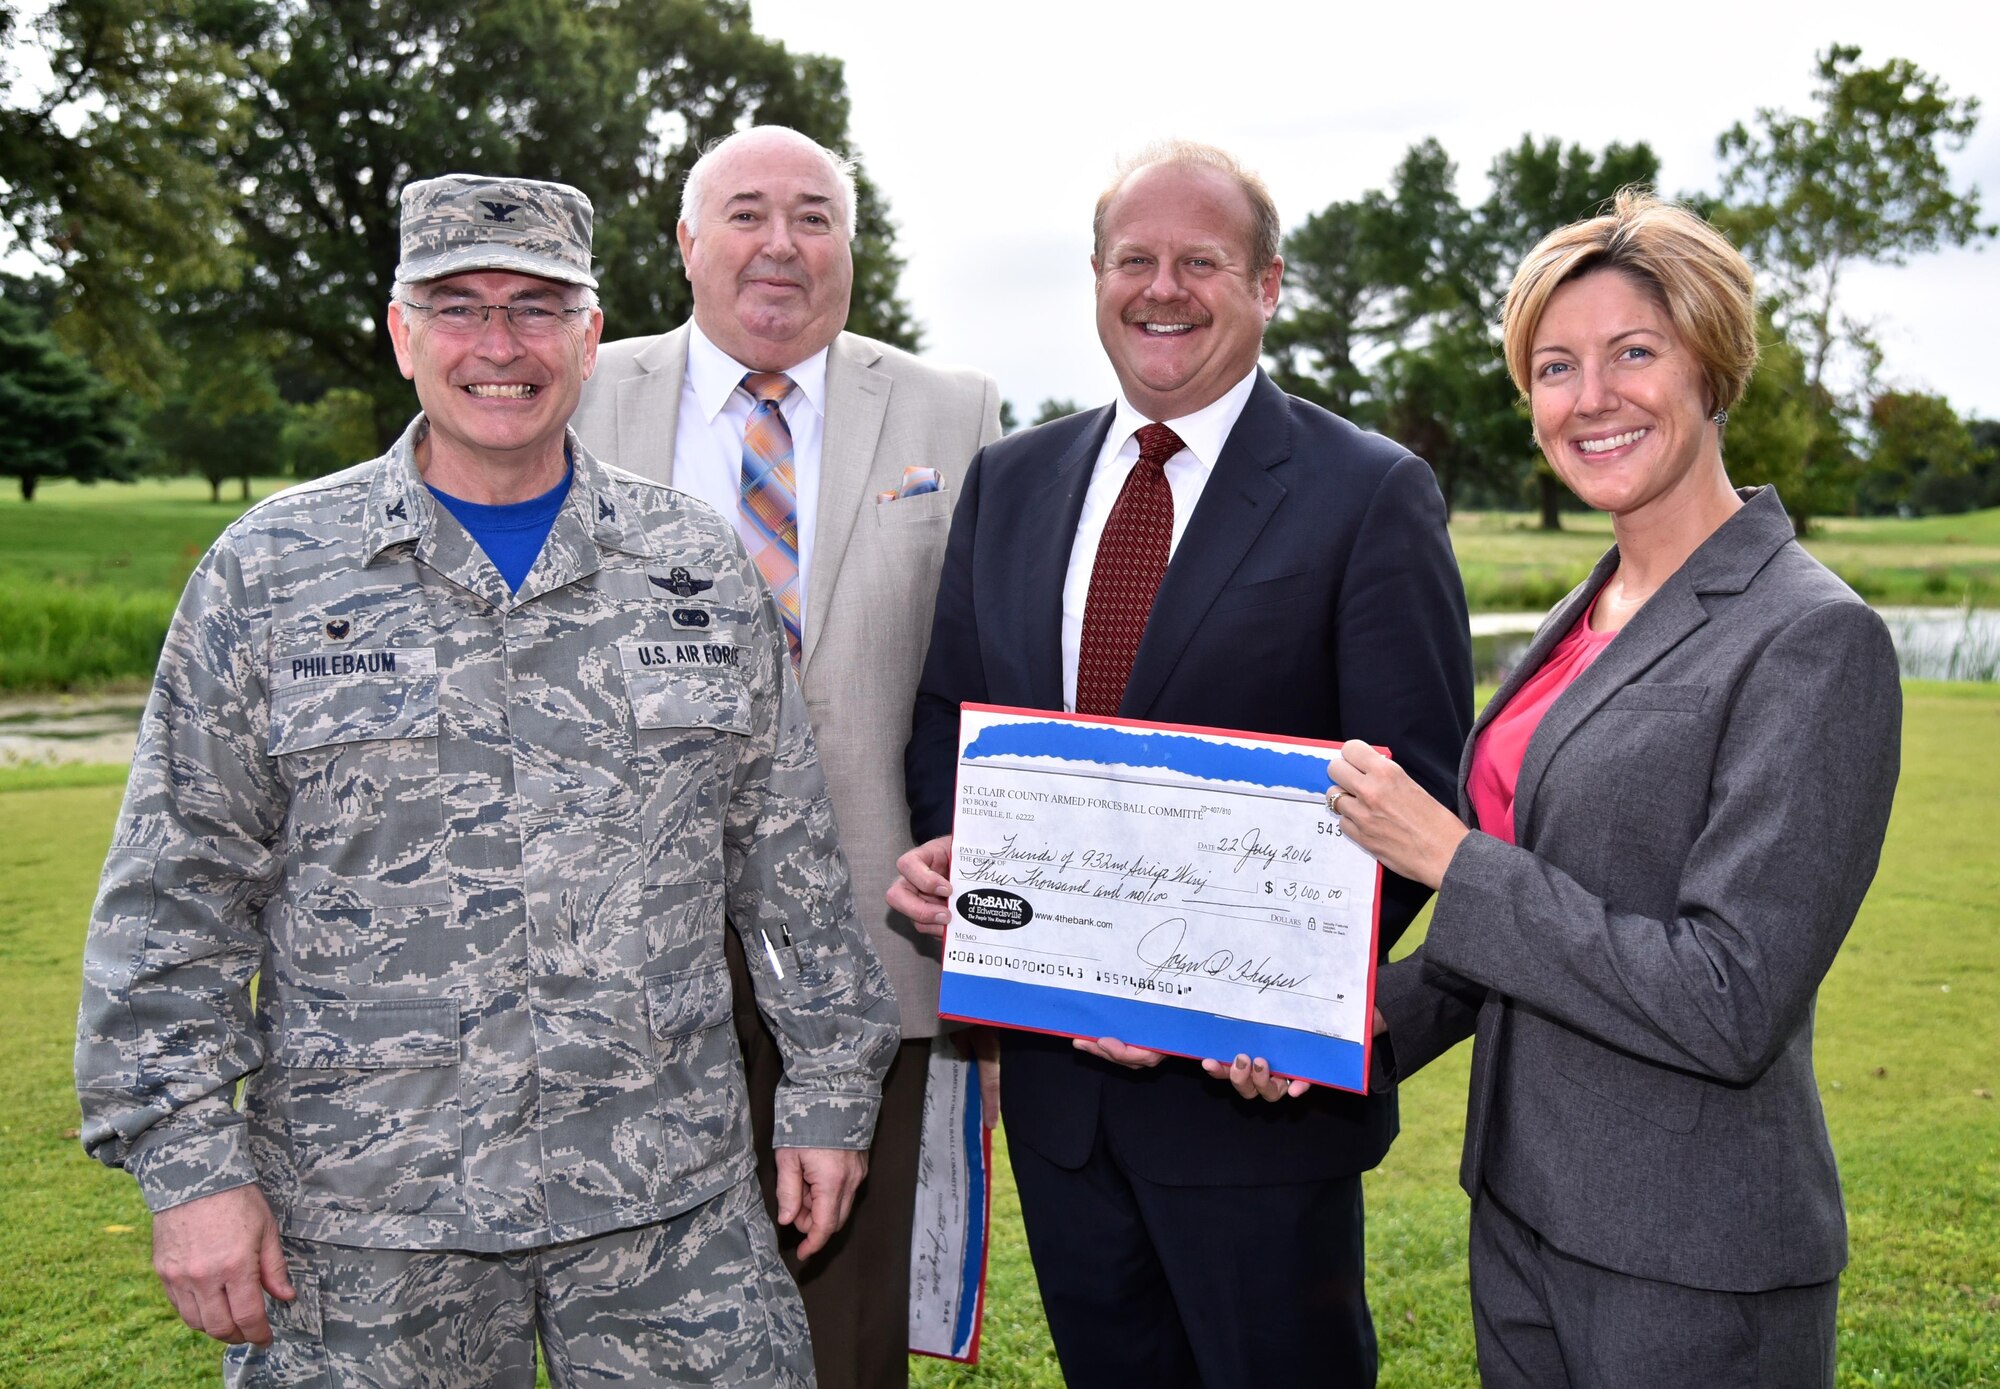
(80, 728)
(1931, 644)
(1946, 643)
(1499, 640)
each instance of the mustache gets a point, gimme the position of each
(1197, 317)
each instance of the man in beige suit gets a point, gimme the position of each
(815, 440)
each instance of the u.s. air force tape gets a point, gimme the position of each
(353, 663)
(658, 655)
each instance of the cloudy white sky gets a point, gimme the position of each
(992, 127)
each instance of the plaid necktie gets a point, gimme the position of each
(1131, 557)
(770, 496)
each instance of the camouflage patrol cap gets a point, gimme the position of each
(460, 222)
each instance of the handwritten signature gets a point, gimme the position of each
(1166, 950)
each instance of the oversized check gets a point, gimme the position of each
(1176, 888)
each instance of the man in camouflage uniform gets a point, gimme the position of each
(477, 840)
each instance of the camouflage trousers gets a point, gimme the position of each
(701, 1299)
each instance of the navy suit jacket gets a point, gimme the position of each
(1313, 594)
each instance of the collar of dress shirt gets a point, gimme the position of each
(714, 374)
(1203, 433)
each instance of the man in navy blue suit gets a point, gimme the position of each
(1257, 564)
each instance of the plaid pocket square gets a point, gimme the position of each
(916, 482)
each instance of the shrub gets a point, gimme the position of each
(1521, 590)
(1865, 582)
(58, 638)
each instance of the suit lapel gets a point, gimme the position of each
(1043, 560)
(1724, 563)
(1665, 620)
(857, 398)
(1552, 630)
(649, 407)
(1493, 1014)
(1236, 504)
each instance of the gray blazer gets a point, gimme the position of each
(874, 580)
(1699, 816)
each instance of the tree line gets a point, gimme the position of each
(1394, 298)
(211, 184)
(208, 186)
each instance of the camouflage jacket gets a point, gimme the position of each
(478, 849)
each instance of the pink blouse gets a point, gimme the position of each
(1503, 743)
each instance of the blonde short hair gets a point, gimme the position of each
(1265, 229)
(1686, 266)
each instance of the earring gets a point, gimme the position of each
(1719, 418)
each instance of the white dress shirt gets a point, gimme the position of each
(708, 440)
(1202, 436)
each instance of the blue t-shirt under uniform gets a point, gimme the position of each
(511, 534)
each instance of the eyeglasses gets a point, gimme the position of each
(470, 320)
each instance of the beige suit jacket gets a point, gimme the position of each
(873, 582)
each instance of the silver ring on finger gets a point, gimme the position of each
(1333, 800)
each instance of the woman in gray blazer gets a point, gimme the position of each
(1676, 802)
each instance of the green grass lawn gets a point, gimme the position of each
(1508, 564)
(1909, 1057)
(1940, 556)
(89, 574)
(137, 536)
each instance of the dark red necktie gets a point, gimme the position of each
(1131, 557)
